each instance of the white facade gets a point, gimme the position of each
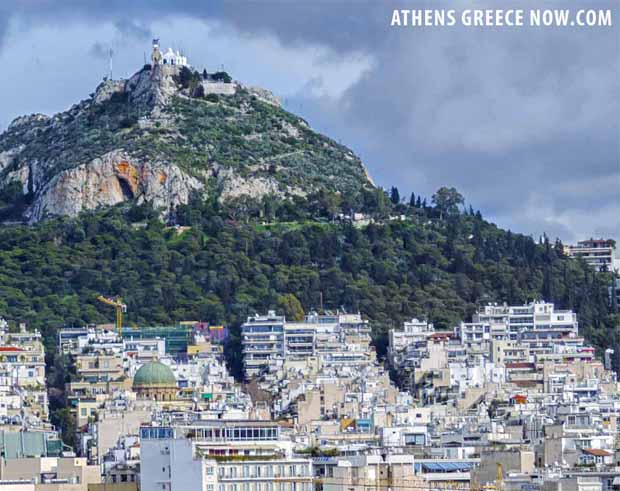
(172, 57)
(598, 253)
(537, 325)
(270, 340)
(413, 332)
(171, 462)
(168, 464)
(263, 342)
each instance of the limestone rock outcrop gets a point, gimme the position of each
(111, 179)
(154, 87)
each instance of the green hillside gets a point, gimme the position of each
(436, 263)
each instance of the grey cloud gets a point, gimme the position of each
(133, 29)
(98, 50)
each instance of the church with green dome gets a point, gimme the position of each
(155, 380)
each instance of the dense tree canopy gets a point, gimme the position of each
(221, 270)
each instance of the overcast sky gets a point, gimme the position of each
(524, 122)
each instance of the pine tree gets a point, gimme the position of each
(395, 195)
(412, 201)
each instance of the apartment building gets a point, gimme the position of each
(537, 325)
(507, 352)
(57, 473)
(381, 473)
(22, 358)
(478, 335)
(262, 338)
(175, 458)
(99, 367)
(269, 340)
(406, 343)
(598, 253)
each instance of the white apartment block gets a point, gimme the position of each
(175, 458)
(262, 338)
(501, 334)
(477, 336)
(270, 340)
(537, 325)
(414, 333)
(22, 359)
(598, 253)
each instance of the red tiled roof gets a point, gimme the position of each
(599, 452)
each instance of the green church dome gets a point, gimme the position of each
(154, 374)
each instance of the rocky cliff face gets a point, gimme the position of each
(160, 136)
(111, 179)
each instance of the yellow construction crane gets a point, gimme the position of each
(119, 306)
(499, 477)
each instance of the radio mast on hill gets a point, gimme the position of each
(110, 53)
